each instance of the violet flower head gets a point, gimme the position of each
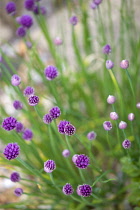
(74, 20)
(109, 64)
(69, 129)
(91, 135)
(9, 123)
(11, 151)
(15, 80)
(19, 127)
(61, 126)
(114, 116)
(138, 105)
(74, 158)
(126, 144)
(66, 153)
(11, 8)
(43, 10)
(18, 191)
(15, 177)
(28, 91)
(29, 44)
(27, 134)
(21, 31)
(131, 116)
(58, 41)
(111, 99)
(107, 125)
(26, 21)
(49, 166)
(29, 4)
(81, 161)
(18, 20)
(124, 64)
(106, 49)
(55, 112)
(47, 119)
(33, 100)
(84, 190)
(97, 2)
(93, 5)
(17, 105)
(36, 10)
(122, 125)
(51, 72)
(67, 189)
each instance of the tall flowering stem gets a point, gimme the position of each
(130, 82)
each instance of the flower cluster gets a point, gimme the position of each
(9, 123)
(31, 5)
(11, 151)
(95, 3)
(66, 128)
(81, 161)
(54, 113)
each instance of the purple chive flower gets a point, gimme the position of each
(15, 177)
(18, 192)
(29, 4)
(43, 10)
(17, 105)
(93, 5)
(111, 99)
(66, 153)
(67, 189)
(51, 72)
(9, 123)
(114, 116)
(124, 64)
(58, 41)
(33, 100)
(107, 125)
(97, 2)
(74, 158)
(74, 20)
(106, 49)
(81, 161)
(49, 166)
(55, 112)
(109, 64)
(21, 31)
(47, 119)
(36, 10)
(29, 45)
(122, 125)
(69, 129)
(61, 126)
(28, 91)
(138, 105)
(15, 80)
(126, 144)
(91, 135)
(19, 127)
(11, 151)
(84, 190)
(11, 8)
(27, 134)
(26, 21)
(131, 117)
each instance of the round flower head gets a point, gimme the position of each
(131, 117)
(49, 166)
(109, 64)
(43, 10)
(9, 123)
(74, 20)
(84, 190)
(114, 116)
(97, 2)
(67, 189)
(17, 105)
(11, 151)
(33, 100)
(111, 99)
(69, 129)
(21, 31)
(11, 8)
(55, 112)
(106, 49)
(19, 127)
(107, 125)
(122, 125)
(27, 134)
(15, 80)
(26, 21)
(29, 4)
(18, 192)
(47, 119)
(36, 10)
(81, 161)
(124, 64)
(61, 126)
(58, 41)
(93, 5)
(51, 72)
(74, 158)
(28, 91)
(91, 135)
(126, 144)
(15, 177)
(138, 105)
(29, 45)
(66, 153)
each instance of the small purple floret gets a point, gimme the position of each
(58, 41)
(106, 49)
(47, 119)
(21, 31)
(109, 64)
(15, 177)
(91, 135)
(29, 4)
(61, 126)
(26, 21)
(74, 20)
(33, 100)
(19, 127)
(28, 91)
(138, 105)
(51, 72)
(55, 112)
(18, 192)
(97, 2)
(17, 105)
(66, 153)
(126, 144)
(67, 189)
(131, 116)
(122, 125)
(11, 8)
(81, 161)
(49, 166)
(107, 125)
(111, 99)
(69, 129)
(124, 64)
(9, 123)
(27, 134)
(84, 190)
(114, 115)
(15, 80)
(11, 151)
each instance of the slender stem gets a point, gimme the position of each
(130, 82)
(69, 145)
(81, 174)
